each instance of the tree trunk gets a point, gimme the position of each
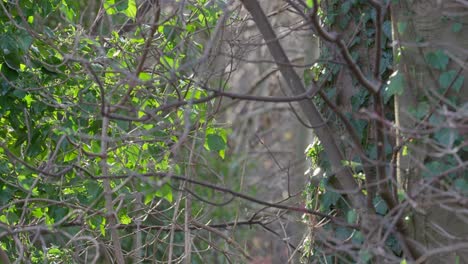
(431, 44)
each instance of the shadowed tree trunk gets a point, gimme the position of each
(431, 46)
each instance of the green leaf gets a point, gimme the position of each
(109, 6)
(102, 226)
(327, 199)
(165, 192)
(121, 5)
(131, 10)
(437, 59)
(29, 100)
(93, 190)
(144, 76)
(24, 40)
(446, 136)
(345, 7)
(401, 26)
(395, 85)
(6, 194)
(215, 142)
(124, 218)
(358, 237)
(69, 12)
(387, 29)
(9, 74)
(12, 218)
(435, 168)
(168, 61)
(58, 213)
(461, 185)
(37, 212)
(342, 233)
(420, 110)
(404, 151)
(351, 216)
(456, 27)
(380, 206)
(448, 77)
(54, 251)
(364, 256)
(70, 156)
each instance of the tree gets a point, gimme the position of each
(114, 146)
(432, 92)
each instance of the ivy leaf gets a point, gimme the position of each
(124, 218)
(395, 85)
(365, 256)
(421, 110)
(380, 206)
(401, 26)
(462, 185)
(387, 29)
(351, 216)
(346, 7)
(328, 198)
(446, 136)
(456, 27)
(435, 168)
(343, 233)
(446, 78)
(437, 59)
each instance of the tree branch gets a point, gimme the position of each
(344, 178)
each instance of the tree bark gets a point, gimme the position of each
(344, 178)
(420, 28)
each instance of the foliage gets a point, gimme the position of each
(60, 86)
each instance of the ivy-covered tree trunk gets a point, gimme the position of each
(430, 53)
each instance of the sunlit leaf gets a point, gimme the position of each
(131, 9)
(124, 218)
(109, 6)
(165, 192)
